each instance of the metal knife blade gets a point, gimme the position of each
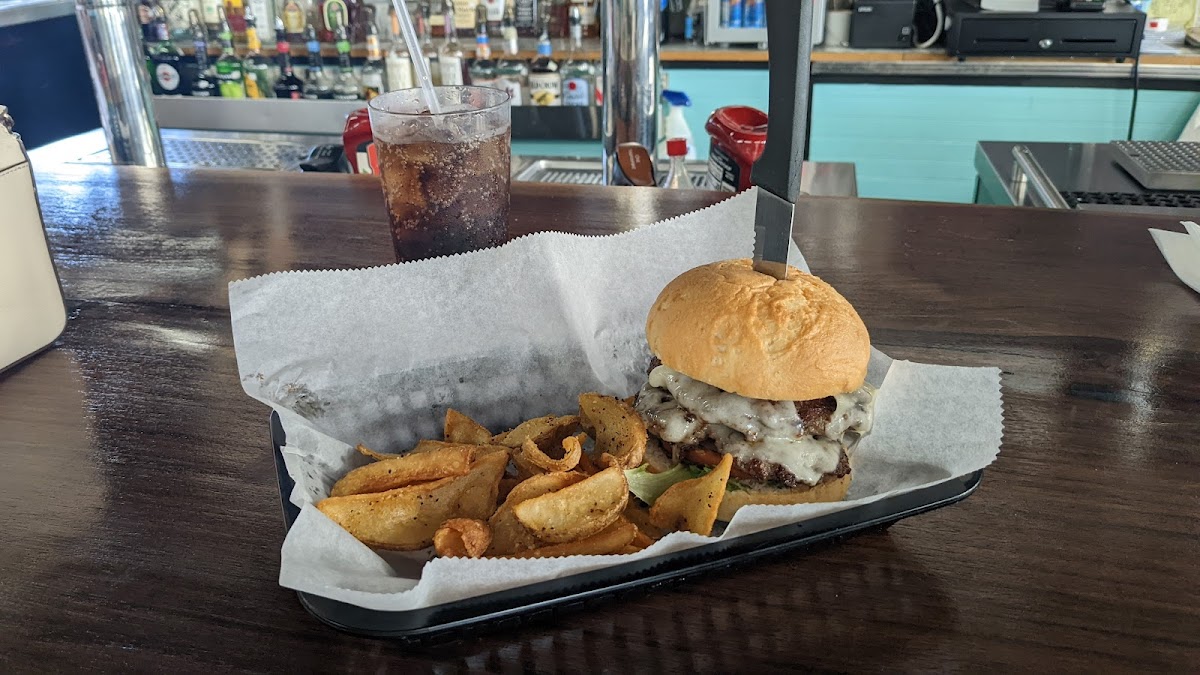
(777, 172)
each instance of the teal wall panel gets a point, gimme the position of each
(918, 141)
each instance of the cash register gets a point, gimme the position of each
(1105, 28)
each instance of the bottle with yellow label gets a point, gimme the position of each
(257, 67)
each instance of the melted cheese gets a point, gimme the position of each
(682, 410)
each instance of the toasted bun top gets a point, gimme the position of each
(758, 336)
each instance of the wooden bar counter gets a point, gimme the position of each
(142, 523)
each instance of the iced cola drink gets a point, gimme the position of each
(445, 176)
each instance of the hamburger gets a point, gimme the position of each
(770, 371)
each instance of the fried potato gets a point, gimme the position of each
(576, 511)
(462, 538)
(586, 464)
(508, 534)
(402, 519)
(612, 539)
(481, 486)
(548, 432)
(394, 472)
(377, 456)
(462, 429)
(618, 429)
(641, 540)
(572, 451)
(629, 550)
(692, 504)
(639, 514)
(406, 518)
(506, 486)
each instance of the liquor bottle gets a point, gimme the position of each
(464, 13)
(483, 69)
(345, 86)
(235, 16)
(512, 73)
(316, 82)
(450, 58)
(166, 70)
(332, 14)
(145, 12)
(230, 76)
(211, 11)
(293, 20)
(288, 86)
(373, 69)
(264, 12)
(578, 77)
(203, 83)
(428, 51)
(256, 66)
(545, 82)
(399, 64)
(177, 18)
(526, 17)
(495, 14)
(359, 15)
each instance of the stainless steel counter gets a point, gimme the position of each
(1066, 167)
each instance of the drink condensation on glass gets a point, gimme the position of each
(446, 176)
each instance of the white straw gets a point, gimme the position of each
(414, 52)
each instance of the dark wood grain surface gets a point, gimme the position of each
(142, 526)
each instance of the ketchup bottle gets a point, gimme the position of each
(739, 134)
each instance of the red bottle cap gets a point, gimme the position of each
(742, 130)
(676, 147)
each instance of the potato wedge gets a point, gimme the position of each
(532, 454)
(406, 518)
(639, 514)
(506, 486)
(548, 432)
(692, 504)
(481, 486)
(462, 538)
(508, 534)
(610, 540)
(393, 472)
(377, 456)
(576, 511)
(618, 429)
(403, 519)
(462, 429)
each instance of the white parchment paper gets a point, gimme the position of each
(376, 356)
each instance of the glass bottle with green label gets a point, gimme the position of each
(345, 87)
(230, 76)
(256, 66)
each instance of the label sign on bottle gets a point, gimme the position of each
(450, 68)
(576, 91)
(724, 173)
(545, 89)
(167, 76)
(293, 17)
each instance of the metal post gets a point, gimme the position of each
(629, 76)
(117, 65)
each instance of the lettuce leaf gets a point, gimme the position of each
(648, 486)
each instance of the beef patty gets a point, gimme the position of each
(754, 469)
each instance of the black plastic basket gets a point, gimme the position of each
(505, 608)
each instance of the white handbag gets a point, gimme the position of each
(32, 312)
